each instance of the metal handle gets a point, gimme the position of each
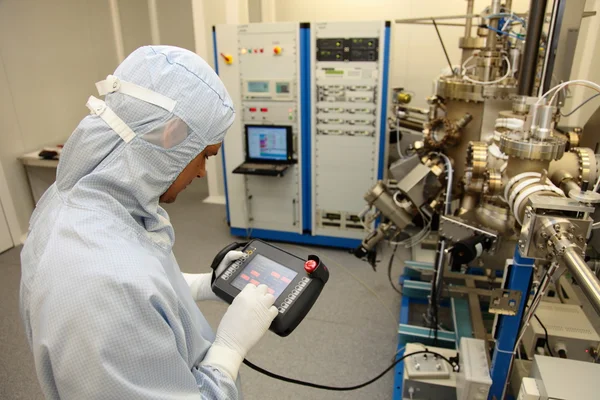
(294, 212)
(584, 276)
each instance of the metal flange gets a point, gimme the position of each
(587, 164)
(493, 183)
(440, 127)
(455, 88)
(477, 153)
(471, 42)
(533, 149)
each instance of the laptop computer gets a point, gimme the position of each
(269, 150)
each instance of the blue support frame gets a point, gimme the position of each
(410, 333)
(306, 124)
(384, 99)
(399, 368)
(519, 278)
(461, 317)
(292, 237)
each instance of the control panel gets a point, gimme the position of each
(427, 366)
(263, 81)
(427, 377)
(294, 282)
(327, 82)
(349, 90)
(348, 49)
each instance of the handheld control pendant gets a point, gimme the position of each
(295, 283)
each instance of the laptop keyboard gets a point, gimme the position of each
(262, 166)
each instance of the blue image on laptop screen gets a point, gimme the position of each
(267, 143)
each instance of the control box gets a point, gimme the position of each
(567, 326)
(427, 377)
(295, 283)
(564, 379)
(349, 90)
(473, 381)
(260, 67)
(327, 82)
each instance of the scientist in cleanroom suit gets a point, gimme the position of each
(107, 311)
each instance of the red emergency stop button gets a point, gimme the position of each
(310, 266)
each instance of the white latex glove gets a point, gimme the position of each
(200, 283)
(245, 322)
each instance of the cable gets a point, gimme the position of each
(537, 298)
(464, 65)
(414, 240)
(417, 238)
(564, 86)
(361, 217)
(508, 74)
(346, 388)
(597, 185)
(398, 138)
(512, 15)
(545, 335)
(449, 173)
(443, 47)
(574, 84)
(580, 105)
(389, 270)
(374, 293)
(560, 86)
(504, 33)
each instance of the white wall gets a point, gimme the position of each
(417, 55)
(214, 13)
(585, 66)
(135, 24)
(175, 23)
(51, 53)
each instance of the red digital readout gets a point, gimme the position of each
(275, 274)
(270, 290)
(245, 277)
(286, 280)
(254, 282)
(256, 274)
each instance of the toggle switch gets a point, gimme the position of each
(228, 58)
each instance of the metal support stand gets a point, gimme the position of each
(466, 314)
(399, 368)
(518, 278)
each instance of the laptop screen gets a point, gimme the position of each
(269, 143)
